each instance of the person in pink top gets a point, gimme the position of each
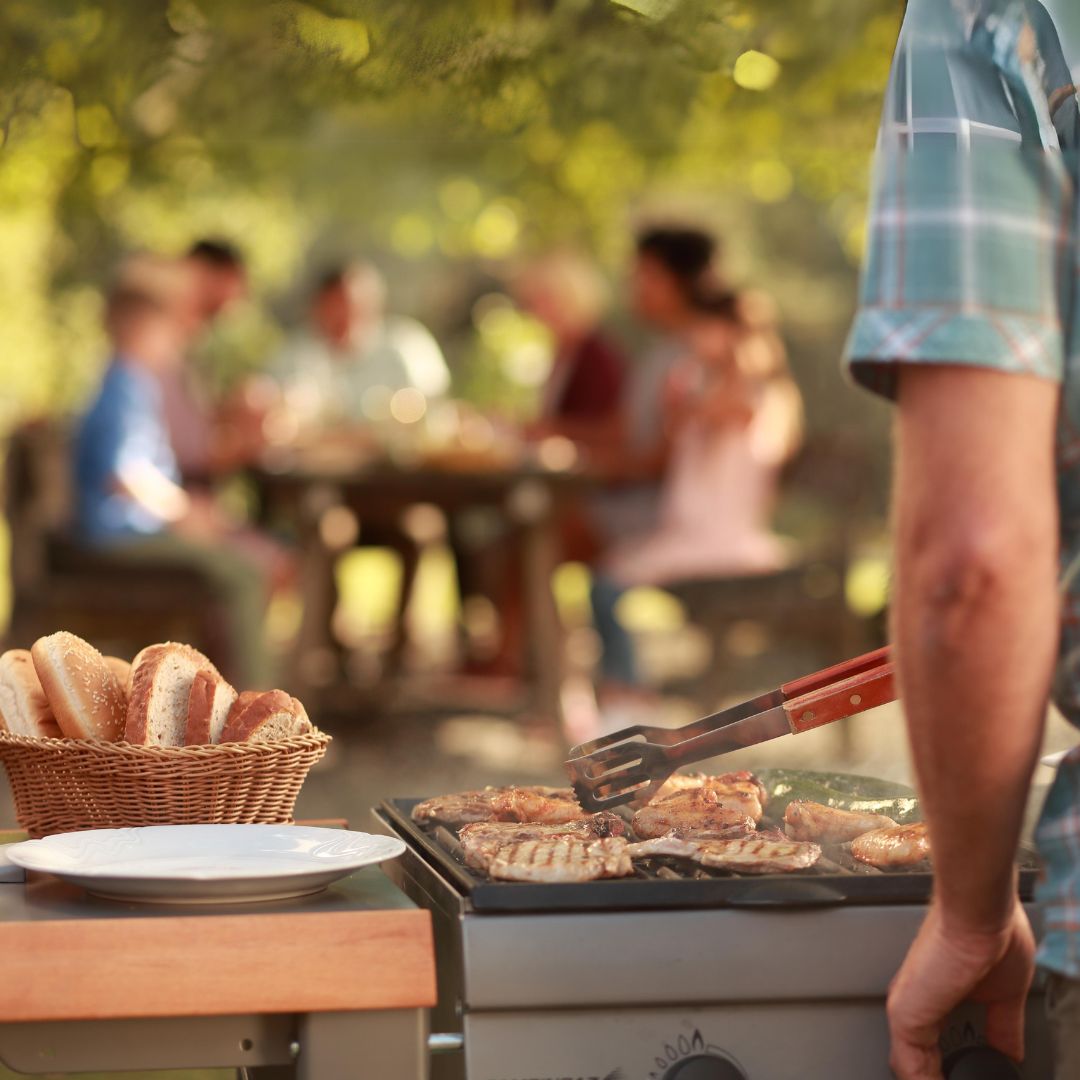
(733, 416)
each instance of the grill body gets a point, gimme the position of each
(769, 984)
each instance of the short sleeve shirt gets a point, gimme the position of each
(124, 427)
(972, 260)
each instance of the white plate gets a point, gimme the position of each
(204, 864)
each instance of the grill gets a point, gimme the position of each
(671, 974)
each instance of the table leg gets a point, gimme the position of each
(316, 648)
(390, 1045)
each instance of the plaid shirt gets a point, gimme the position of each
(973, 260)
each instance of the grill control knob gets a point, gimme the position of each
(705, 1067)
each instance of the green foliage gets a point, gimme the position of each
(434, 131)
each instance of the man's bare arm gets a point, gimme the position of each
(975, 616)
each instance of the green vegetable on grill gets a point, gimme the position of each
(844, 791)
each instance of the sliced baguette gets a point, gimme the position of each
(161, 679)
(24, 709)
(209, 703)
(85, 696)
(267, 716)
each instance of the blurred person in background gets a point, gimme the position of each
(582, 399)
(207, 439)
(673, 267)
(734, 417)
(129, 491)
(345, 370)
(345, 366)
(581, 402)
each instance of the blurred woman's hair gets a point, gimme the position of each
(689, 255)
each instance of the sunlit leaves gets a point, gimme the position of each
(424, 130)
(342, 40)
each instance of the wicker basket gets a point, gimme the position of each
(67, 785)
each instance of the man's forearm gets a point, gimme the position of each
(976, 626)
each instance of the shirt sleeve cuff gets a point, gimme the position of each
(882, 340)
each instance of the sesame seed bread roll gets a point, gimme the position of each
(122, 670)
(24, 709)
(85, 696)
(271, 715)
(161, 679)
(209, 703)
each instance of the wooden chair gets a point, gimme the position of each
(58, 583)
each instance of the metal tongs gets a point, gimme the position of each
(630, 765)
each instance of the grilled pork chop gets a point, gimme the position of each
(746, 856)
(889, 849)
(481, 841)
(706, 809)
(733, 781)
(562, 859)
(828, 825)
(542, 804)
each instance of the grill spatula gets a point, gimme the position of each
(630, 765)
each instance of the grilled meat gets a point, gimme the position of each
(893, 848)
(828, 825)
(745, 856)
(742, 781)
(481, 841)
(562, 859)
(555, 806)
(544, 804)
(705, 809)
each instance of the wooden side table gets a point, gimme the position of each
(328, 987)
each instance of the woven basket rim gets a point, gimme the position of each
(313, 738)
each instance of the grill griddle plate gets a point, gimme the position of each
(648, 891)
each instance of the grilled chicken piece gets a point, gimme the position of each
(562, 859)
(557, 805)
(481, 841)
(733, 781)
(828, 825)
(890, 849)
(745, 856)
(706, 809)
(554, 806)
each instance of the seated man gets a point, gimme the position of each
(355, 355)
(343, 371)
(128, 494)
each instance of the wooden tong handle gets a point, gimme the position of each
(852, 687)
(837, 673)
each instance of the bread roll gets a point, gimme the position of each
(209, 703)
(270, 715)
(161, 679)
(85, 696)
(24, 709)
(122, 670)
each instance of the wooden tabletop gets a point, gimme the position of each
(361, 945)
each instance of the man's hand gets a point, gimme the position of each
(948, 965)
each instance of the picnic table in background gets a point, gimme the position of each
(313, 490)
